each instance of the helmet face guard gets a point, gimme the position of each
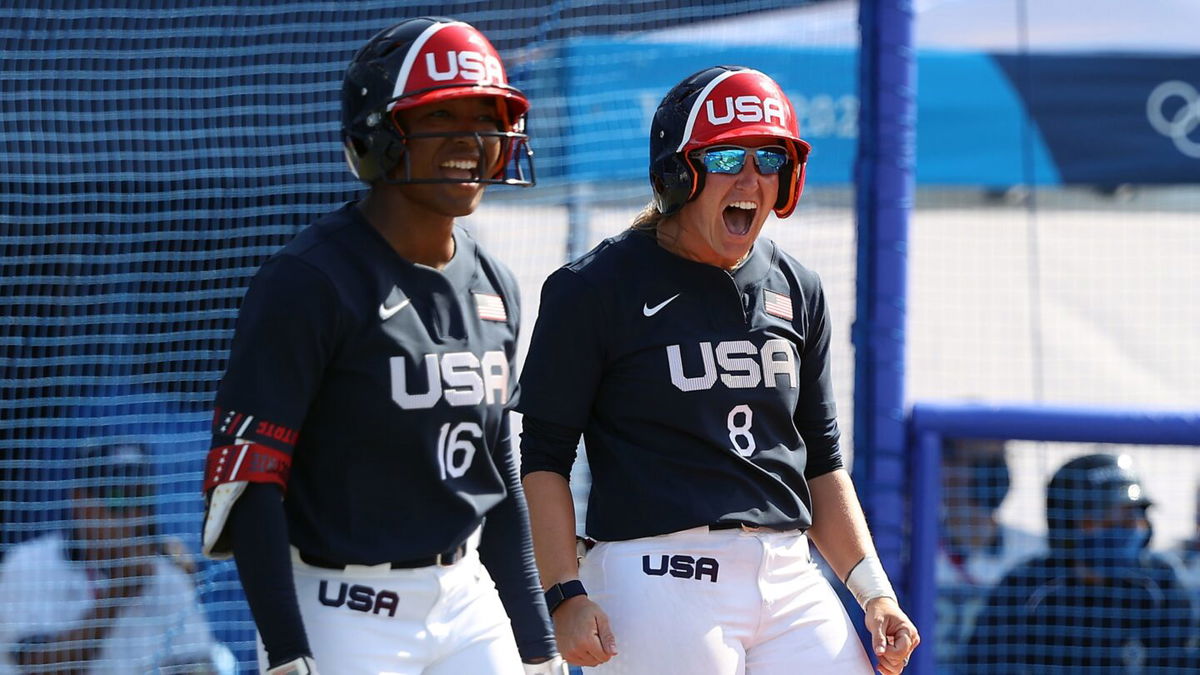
(514, 166)
(420, 62)
(721, 105)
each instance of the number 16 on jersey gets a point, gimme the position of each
(456, 448)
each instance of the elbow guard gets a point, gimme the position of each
(229, 469)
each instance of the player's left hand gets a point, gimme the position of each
(893, 635)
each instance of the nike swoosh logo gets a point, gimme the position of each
(386, 312)
(651, 311)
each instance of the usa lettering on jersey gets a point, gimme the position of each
(459, 378)
(737, 364)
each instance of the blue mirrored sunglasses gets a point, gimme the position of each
(731, 158)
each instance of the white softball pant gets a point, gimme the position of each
(430, 620)
(720, 602)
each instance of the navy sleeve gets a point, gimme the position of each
(546, 446)
(506, 549)
(258, 532)
(816, 411)
(566, 355)
(286, 331)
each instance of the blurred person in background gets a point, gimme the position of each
(106, 595)
(1098, 602)
(693, 357)
(976, 548)
(1189, 552)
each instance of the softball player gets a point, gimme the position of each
(693, 357)
(360, 438)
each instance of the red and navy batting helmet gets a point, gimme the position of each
(422, 61)
(721, 105)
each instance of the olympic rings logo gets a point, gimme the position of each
(1183, 121)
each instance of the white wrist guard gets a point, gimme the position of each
(301, 666)
(868, 581)
(555, 666)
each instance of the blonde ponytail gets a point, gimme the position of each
(648, 219)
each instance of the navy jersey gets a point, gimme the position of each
(1045, 619)
(387, 383)
(704, 395)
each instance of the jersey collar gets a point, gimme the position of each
(751, 272)
(459, 271)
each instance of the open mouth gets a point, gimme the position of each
(739, 216)
(465, 170)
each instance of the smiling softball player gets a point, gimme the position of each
(361, 472)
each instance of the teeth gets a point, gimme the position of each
(749, 206)
(468, 164)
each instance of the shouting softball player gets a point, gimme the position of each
(361, 438)
(693, 357)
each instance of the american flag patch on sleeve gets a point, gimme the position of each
(777, 304)
(491, 307)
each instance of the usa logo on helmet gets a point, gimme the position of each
(472, 66)
(746, 109)
(448, 54)
(738, 104)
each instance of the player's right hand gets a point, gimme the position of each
(893, 635)
(583, 633)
